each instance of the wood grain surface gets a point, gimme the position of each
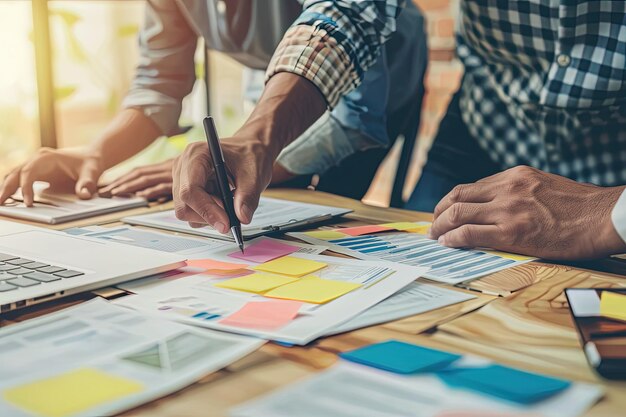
(519, 318)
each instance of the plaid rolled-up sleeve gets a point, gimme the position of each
(333, 43)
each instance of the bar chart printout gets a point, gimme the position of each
(447, 265)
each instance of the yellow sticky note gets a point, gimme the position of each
(513, 256)
(256, 283)
(326, 234)
(70, 393)
(313, 290)
(613, 305)
(402, 225)
(289, 265)
(421, 230)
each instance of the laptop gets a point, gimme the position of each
(55, 208)
(38, 265)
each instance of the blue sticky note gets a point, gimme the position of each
(506, 383)
(400, 357)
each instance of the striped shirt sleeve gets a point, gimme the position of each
(333, 43)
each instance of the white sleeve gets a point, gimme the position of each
(619, 216)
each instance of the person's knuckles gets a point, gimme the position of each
(457, 213)
(183, 212)
(185, 194)
(210, 214)
(162, 190)
(440, 208)
(120, 190)
(195, 150)
(464, 236)
(459, 193)
(453, 217)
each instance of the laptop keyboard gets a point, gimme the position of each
(16, 272)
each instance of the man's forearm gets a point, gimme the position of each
(288, 106)
(126, 135)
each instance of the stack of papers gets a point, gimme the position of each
(271, 216)
(100, 359)
(331, 291)
(406, 243)
(413, 299)
(399, 379)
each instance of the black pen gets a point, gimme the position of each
(217, 157)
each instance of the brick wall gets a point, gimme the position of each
(442, 80)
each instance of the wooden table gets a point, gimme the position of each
(519, 318)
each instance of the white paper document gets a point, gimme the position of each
(272, 215)
(190, 247)
(348, 390)
(447, 265)
(54, 208)
(99, 359)
(416, 298)
(194, 298)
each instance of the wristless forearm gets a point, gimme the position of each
(288, 106)
(128, 133)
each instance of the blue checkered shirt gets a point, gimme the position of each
(545, 81)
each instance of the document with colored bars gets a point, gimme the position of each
(447, 265)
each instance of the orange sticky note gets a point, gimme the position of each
(215, 266)
(264, 314)
(364, 230)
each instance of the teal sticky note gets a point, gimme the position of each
(400, 357)
(504, 382)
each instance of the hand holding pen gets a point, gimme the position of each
(219, 167)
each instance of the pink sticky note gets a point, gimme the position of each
(264, 251)
(211, 265)
(264, 314)
(364, 230)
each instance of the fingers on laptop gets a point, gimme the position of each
(9, 186)
(152, 181)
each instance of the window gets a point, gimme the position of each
(94, 50)
(92, 53)
(19, 132)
